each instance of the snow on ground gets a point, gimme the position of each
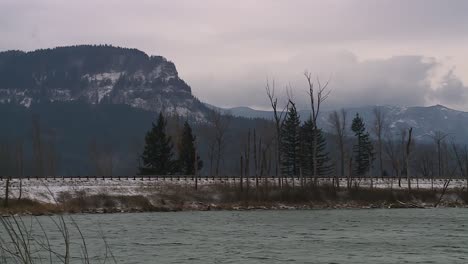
(49, 190)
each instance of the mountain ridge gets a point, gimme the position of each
(425, 120)
(97, 74)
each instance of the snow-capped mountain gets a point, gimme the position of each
(425, 121)
(96, 75)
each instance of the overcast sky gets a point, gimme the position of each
(375, 52)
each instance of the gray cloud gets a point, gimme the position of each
(451, 91)
(376, 51)
(403, 80)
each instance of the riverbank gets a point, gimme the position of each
(40, 197)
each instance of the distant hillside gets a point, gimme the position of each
(424, 120)
(96, 75)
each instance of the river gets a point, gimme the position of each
(302, 236)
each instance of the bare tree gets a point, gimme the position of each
(393, 152)
(19, 166)
(38, 151)
(101, 158)
(402, 159)
(407, 157)
(317, 96)
(108, 159)
(6, 168)
(220, 124)
(378, 129)
(338, 123)
(425, 164)
(461, 156)
(94, 158)
(247, 162)
(278, 116)
(50, 154)
(439, 138)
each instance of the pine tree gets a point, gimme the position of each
(307, 144)
(290, 143)
(186, 161)
(363, 150)
(158, 155)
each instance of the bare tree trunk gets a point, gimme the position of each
(196, 169)
(350, 171)
(37, 147)
(255, 159)
(20, 167)
(317, 97)
(221, 125)
(339, 125)
(247, 163)
(7, 191)
(379, 127)
(241, 173)
(279, 119)
(211, 157)
(408, 145)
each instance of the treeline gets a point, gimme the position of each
(109, 140)
(65, 66)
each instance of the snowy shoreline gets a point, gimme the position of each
(48, 190)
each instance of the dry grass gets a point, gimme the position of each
(28, 206)
(229, 196)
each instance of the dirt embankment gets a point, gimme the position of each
(229, 197)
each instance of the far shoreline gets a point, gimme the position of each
(49, 197)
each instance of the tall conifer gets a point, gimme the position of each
(290, 143)
(363, 149)
(186, 161)
(307, 144)
(158, 153)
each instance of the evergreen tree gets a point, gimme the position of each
(363, 150)
(186, 161)
(158, 155)
(290, 143)
(307, 144)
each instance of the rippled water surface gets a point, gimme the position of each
(311, 236)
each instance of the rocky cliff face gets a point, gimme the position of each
(96, 75)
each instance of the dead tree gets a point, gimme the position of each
(255, 159)
(462, 161)
(407, 157)
(20, 166)
(338, 123)
(317, 96)
(50, 155)
(438, 138)
(378, 129)
(278, 116)
(241, 173)
(7, 191)
(425, 165)
(220, 125)
(195, 163)
(393, 152)
(6, 169)
(247, 163)
(403, 142)
(38, 151)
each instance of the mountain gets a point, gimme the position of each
(424, 120)
(96, 75)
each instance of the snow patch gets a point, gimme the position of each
(26, 102)
(103, 91)
(112, 76)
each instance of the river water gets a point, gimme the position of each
(309, 236)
